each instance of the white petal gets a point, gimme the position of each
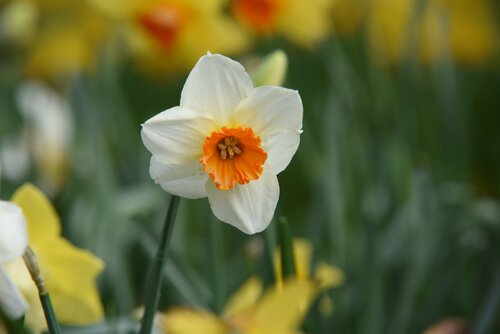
(249, 207)
(11, 301)
(280, 150)
(185, 180)
(216, 85)
(275, 114)
(13, 234)
(176, 136)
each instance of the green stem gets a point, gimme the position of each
(269, 275)
(286, 249)
(216, 250)
(50, 315)
(154, 280)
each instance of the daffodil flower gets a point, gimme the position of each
(69, 272)
(303, 22)
(249, 311)
(66, 36)
(13, 243)
(171, 35)
(49, 130)
(462, 29)
(226, 141)
(325, 275)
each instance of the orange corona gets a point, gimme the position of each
(233, 155)
(163, 23)
(259, 14)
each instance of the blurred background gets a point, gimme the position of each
(396, 181)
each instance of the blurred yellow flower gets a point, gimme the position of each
(348, 16)
(388, 29)
(69, 272)
(66, 38)
(473, 34)
(280, 310)
(302, 22)
(166, 35)
(461, 30)
(431, 38)
(277, 311)
(325, 275)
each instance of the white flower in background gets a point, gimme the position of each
(14, 157)
(227, 140)
(49, 131)
(13, 243)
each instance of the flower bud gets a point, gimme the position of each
(271, 70)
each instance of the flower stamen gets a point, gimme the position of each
(228, 147)
(233, 155)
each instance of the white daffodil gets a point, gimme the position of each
(13, 243)
(49, 130)
(227, 140)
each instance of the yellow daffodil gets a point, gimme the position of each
(471, 34)
(280, 310)
(227, 140)
(431, 38)
(69, 272)
(462, 30)
(65, 38)
(13, 242)
(166, 35)
(388, 29)
(249, 311)
(327, 276)
(302, 22)
(324, 276)
(348, 16)
(48, 131)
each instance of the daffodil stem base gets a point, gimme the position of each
(154, 280)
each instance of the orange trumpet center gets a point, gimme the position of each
(258, 14)
(233, 155)
(163, 23)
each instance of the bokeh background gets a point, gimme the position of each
(396, 181)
